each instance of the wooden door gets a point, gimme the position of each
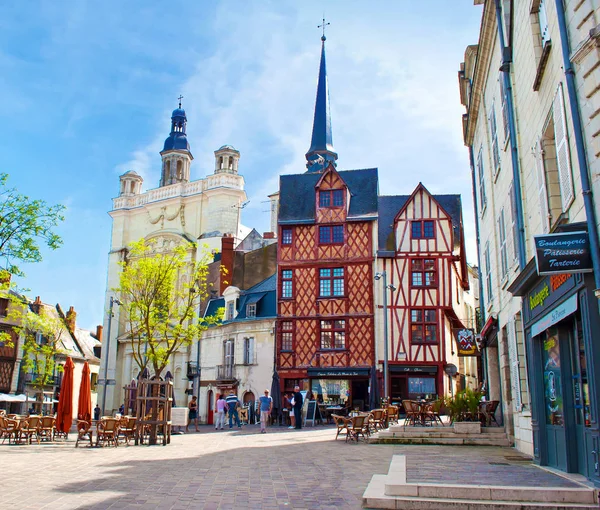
(210, 408)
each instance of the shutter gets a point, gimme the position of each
(563, 158)
(250, 351)
(504, 107)
(542, 190)
(515, 372)
(513, 217)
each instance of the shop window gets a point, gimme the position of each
(422, 229)
(421, 387)
(423, 326)
(423, 273)
(287, 336)
(552, 378)
(333, 334)
(331, 282)
(331, 391)
(287, 289)
(286, 236)
(331, 198)
(331, 234)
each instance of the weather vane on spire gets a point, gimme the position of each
(180, 98)
(323, 25)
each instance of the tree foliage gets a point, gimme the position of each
(24, 225)
(160, 293)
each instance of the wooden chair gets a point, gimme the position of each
(358, 426)
(127, 428)
(392, 414)
(487, 412)
(413, 412)
(29, 428)
(436, 408)
(8, 429)
(341, 423)
(107, 431)
(84, 431)
(377, 419)
(47, 428)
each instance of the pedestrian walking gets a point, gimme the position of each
(298, 407)
(221, 408)
(266, 406)
(192, 413)
(97, 412)
(232, 405)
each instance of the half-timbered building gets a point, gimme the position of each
(421, 250)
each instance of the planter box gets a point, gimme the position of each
(467, 427)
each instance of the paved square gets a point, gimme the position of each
(283, 469)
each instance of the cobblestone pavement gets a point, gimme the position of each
(282, 469)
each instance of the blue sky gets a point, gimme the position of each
(87, 89)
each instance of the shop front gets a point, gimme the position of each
(561, 320)
(414, 382)
(345, 387)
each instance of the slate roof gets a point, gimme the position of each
(389, 206)
(213, 306)
(87, 342)
(297, 195)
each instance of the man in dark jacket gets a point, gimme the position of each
(298, 407)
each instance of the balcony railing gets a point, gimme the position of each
(192, 370)
(225, 373)
(52, 380)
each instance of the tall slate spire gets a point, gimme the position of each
(321, 150)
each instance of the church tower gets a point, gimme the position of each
(176, 155)
(226, 160)
(321, 151)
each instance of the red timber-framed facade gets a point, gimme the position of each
(421, 249)
(325, 322)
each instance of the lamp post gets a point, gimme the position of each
(113, 301)
(378, 276)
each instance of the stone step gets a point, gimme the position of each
(454, 439)
(435, 430)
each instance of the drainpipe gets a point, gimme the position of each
(505, 68)
(588, 199)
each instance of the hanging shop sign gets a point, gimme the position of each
(466, 342)
(563, 253)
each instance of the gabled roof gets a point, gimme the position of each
(390, 206)
(297, 195)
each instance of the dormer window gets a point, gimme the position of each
(230, 310)
(251, 311)
(331, 198)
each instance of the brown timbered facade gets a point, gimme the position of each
(325, 329)
(421, 249)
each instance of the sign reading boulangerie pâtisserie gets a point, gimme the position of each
(563, 253)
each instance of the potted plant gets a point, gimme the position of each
(464, 411)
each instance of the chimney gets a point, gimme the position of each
(70, 319)
(36, 306)
(226, 262)
(99, 333)
(269, 235)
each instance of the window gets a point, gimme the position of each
(504, 106)
(543, 21)
(331, 282)
(286, 236)
(230, 310)
(488, 272)
(287, 336)
(251, 311)
(480, 173)
(287, 284)
(494, 135)
(333, 334)
(331, 198)
(248, 351)
(93, 381)
(502, 236)
(228, 358)
(3, 307)
(513, 217)
(423, 272)
(423, 326)
(331, 235)
(422, 229)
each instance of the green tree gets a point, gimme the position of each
(24, 225)
(160, 294)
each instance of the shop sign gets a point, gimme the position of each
(548, 291)
(466, 342)
(563, 253)
(408, 368)
(558, 314)
(338, 373)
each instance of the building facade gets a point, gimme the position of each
(194, 213)
(529, 88)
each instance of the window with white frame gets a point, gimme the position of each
(494, 136)
(251, 311)
(230, 310)
(488, 272)
(228, 352)
(481, 175)
(502, 237)
(248, 351)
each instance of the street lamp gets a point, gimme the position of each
(113, 301)
(379, 276)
